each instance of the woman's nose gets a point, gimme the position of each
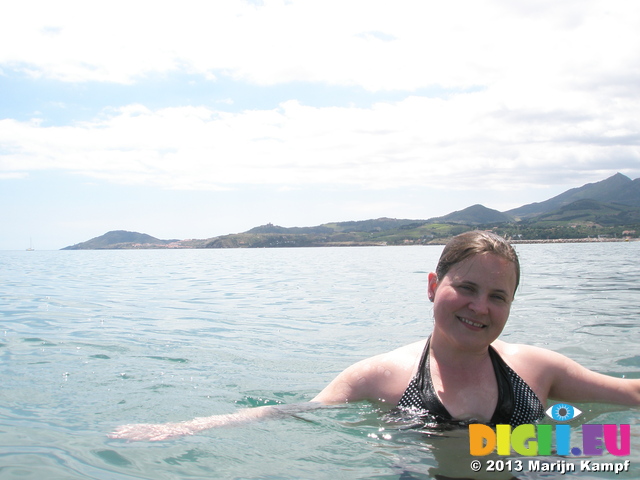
(479, 305)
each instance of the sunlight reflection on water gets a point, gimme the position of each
(93, 339)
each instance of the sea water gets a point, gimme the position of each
(90, 340)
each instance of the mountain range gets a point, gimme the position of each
(609, 208)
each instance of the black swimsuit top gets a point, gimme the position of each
(517, 403)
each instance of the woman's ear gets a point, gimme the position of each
(433, 285)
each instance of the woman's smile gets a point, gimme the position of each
(471, 322)
(473, 300)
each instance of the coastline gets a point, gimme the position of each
(577, 240)
(205, 245)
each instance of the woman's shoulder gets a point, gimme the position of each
(526, 359)
(522, 353)
(383, 377)
(537, 366)
(407, 352)
(553, 375)
(402, 359)
(391, 372)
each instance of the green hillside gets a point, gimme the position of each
(610, 208)
(615, 189)
(120, 239)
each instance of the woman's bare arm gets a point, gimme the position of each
(353, 384)
(163, 431)
(553, 375)
(381, 378)
(572, 382)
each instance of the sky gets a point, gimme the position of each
(195, 119)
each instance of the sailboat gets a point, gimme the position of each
(30, 249)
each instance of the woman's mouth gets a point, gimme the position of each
(470, 322)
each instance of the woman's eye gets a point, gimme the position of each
(563, 412)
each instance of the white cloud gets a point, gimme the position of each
(556, 91)
(467, 141)
(375, 44)
(12, 175)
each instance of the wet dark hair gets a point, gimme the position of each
(467, 244)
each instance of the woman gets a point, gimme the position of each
(462, 373)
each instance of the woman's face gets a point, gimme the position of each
(473, 300)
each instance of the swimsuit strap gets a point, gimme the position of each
(504, 406)
(516, 404)
(425, 386)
